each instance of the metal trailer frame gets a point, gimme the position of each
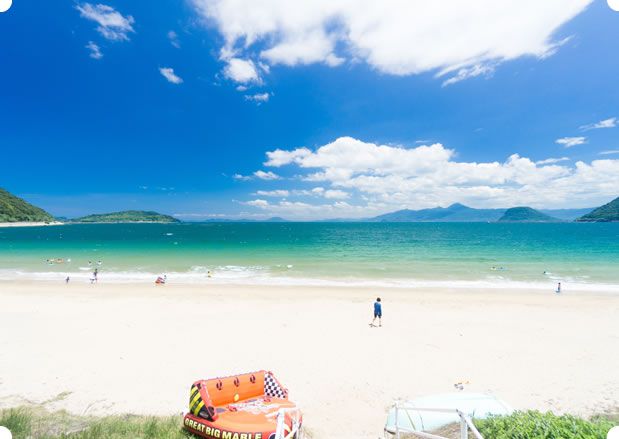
(296, 431)
(466, 423)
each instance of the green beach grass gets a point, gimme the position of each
(27, 422)
(533, 424)
(36, 422)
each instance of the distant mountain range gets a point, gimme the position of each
(460, 213)
(15, 209)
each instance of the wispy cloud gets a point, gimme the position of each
(568, 142)
(258, 98)
(241, 177)
(95, 50)
(469, 72)
(610, 151)
(112, 24)
(550, 161)
(174, 41)
(611, 122)
(168, 73)
(275, 193)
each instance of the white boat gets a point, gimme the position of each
(413, 416)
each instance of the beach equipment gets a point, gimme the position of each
(248, 406)
(430, 413)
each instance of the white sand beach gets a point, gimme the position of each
(29, 224)
(137, 348)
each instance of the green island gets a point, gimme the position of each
(604, 214)
(14, 209)
(526, 215)
(127, 216)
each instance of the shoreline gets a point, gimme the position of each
(31, 224)
(201, 280)
(129, 348)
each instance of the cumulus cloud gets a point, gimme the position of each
(168, 73)
(174, 41)
(266, 175)
(606, 123)
(241, 177)
(302, 210)
(111, 23)
(241, 70)
(399, 37)
(258, 98)
(95, 50)
(568, 142)
(388, 177)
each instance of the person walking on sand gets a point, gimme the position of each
(558, 288)
(378, 312)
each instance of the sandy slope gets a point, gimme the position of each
(137, 348)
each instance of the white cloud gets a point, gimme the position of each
(550, 161)
(174, 41)
(242, 70)
(112, 24)
(399, 37)
(335, 194)
(258, 203)
(610, 151)
(301, 210)
(606, 123)
(280, 157)
(470, 72)
(388, 177)
(568, 142)
(241, 177)
(168, 73)
(95, 50)
(262, 175)
(258, 97)
(275, 193)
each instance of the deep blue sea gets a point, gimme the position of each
(388, 254)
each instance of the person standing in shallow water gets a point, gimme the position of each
(378, 312)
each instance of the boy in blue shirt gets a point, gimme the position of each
(378, 312)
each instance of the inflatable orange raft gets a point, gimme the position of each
(249, 406)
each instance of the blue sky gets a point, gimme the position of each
(238, 108)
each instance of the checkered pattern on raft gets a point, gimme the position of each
(272, 387)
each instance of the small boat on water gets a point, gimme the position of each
(412, 416)
(249, 406)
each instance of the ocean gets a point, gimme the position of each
(481, 255)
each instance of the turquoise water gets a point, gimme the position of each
(405, 254)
